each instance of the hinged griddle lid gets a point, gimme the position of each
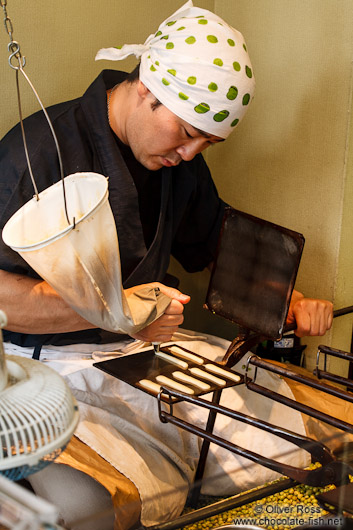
(254, 273)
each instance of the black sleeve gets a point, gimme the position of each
(16, 186)
(195, 241)
(15, 190)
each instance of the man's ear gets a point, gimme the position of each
(142, 90)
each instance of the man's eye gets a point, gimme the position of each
(187, 134)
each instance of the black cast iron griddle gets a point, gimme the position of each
(251, 284)
(254, 273)
(146, 365)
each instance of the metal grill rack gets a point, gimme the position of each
(332, 470)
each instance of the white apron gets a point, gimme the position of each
(121, 424)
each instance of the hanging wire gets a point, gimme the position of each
(15, 54)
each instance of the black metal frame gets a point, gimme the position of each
(331, 472)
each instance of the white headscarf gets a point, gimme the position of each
(197, 66)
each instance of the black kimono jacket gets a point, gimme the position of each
(190, 211)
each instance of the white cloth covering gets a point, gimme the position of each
(121, 424)
(197, 66)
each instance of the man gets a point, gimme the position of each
(146, 132)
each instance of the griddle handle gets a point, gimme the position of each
(336, 313)
(245, 341)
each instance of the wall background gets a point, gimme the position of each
(290, 161)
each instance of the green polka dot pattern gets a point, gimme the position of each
(232, 93)
(220, 116)
(201, 108)
(197, 65)
(212, 87)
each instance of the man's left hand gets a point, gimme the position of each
(312, 317)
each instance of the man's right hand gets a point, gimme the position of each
(162, 329)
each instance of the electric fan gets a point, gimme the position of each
(38, 414)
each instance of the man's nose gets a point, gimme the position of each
(188, 150)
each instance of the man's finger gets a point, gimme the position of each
(173, 293)
(174, 308)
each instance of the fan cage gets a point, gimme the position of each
(38, 416)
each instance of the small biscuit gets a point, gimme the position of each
(166, 381)
(150, 385)
(212, 378)
(192, 380)
(224, 373)
(186, 355)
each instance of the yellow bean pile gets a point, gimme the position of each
(281, 511)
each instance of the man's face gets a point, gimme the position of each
(158, 137)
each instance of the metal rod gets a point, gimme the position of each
(322, 374)
(318, 450)
(285, 372)
(54, 137)
(254, 457)
(196, 487)
(226, 504)
(343, 311)
(344, 426)
(331, 472)
(335, 353)
(24, 138)
(336, 313)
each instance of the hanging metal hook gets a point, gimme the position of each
(14, 47)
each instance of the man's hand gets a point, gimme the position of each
(162, 329)
(312, 317)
